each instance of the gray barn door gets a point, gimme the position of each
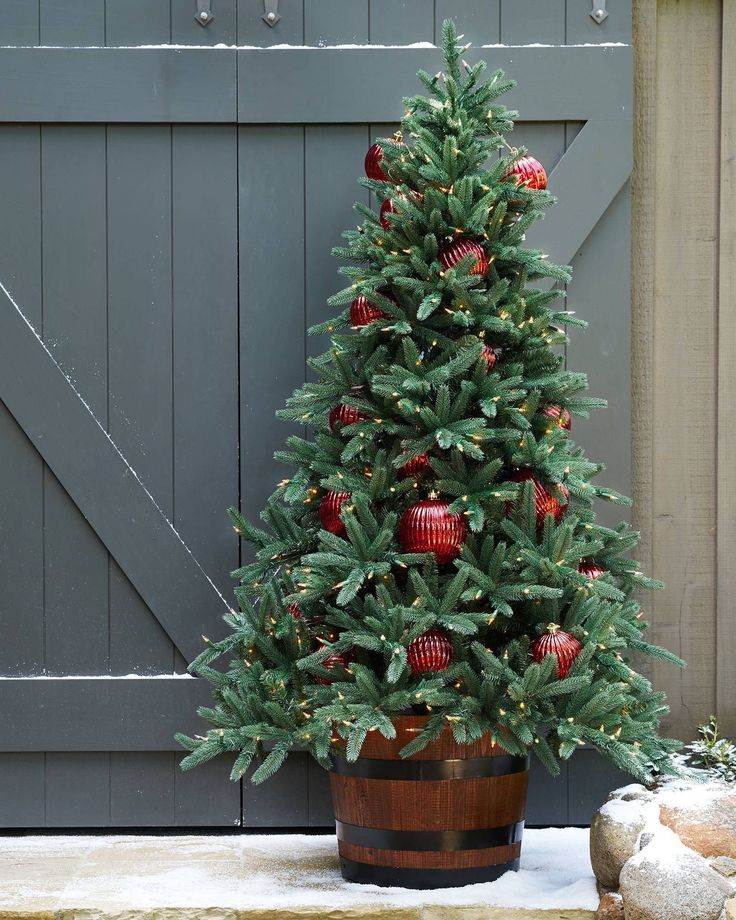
(166, 218)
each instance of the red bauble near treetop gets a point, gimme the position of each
(363, 312)
(373, 167)
(559, 415)
(414, 467)
(295, 610)
(545, 502)
(490, 357)
(451, 253)
(342, 415)
(432, 651)
(590, 568)
(430, 527)
(528, 171)
(559, 643)
(330, 507)
(388, 207)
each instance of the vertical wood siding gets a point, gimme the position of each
(172, 270)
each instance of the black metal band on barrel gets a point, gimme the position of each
(386, 839)
(472, 768)
(422, 878)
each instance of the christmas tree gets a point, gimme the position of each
(436, 548)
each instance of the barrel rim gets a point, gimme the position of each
(427, 770)
(446, 840)
(396, 876)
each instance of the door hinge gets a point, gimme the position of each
(204, 12)
(271, 12)
(599, 13)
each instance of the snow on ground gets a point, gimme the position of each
(267, 872)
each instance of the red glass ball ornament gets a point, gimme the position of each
(490, 357)
(363, 312)
(452, 253)
(388, 207)
(590, 568)
(559, 415)
(415, 466)
(544, 501)
(429, 527)
(295, 610)
(559, 643)
(528, 171)
(329, 512)
(432, 651)
(373, 164)
(335, 661)
(342, 415)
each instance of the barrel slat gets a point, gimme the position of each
(443, 748)
(430, 859)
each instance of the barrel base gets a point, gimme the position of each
(393, 876)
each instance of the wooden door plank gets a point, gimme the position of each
(479, 21)
(283, 801)
(527, 21)
(683, 420)
(332, 22)
(73, 172)
(137, 22)
(22, 793)
(77, 789)
(100, 713)
(20, 23)
(581, 28)
(726, 424)
(79, 23)
(102, 484)
(252, 30)
(222, 29)
(400, 22)
(206, 797)
(205, 343)
(142, 789)
(272, 315)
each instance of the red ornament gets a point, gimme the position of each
(452, 253)
(429, 527)
(335, 661)
(342, 415)
(329, 512)
(559, 643)
(490, 357)
(295, 610)
(388, 207)
(545, 502)
(560, 415)
(415, 466)
(363, 312)
(373, 164)
(590, 568)
(528, 171)
(432, 651)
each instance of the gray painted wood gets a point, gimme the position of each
(98, 714)
(117, 85)
(589, 780)
(547, 798)
(126, 237)
(20, 23)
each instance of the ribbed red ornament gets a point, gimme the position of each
(528, 171)
(335, 661)
(429, 527)
(388, 207)
(373, 164)
(545, 502)
(590, 568)
(490, 357)
(432, 651)
(329, 512)
(363, 312)
(560, 415)
(559, 643)
(452, 253)
(342, 415)
(295, 610)
(415, 466)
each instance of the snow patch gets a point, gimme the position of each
(284, 47)
(627, 814)
(101, 677)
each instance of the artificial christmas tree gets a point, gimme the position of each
(438, 521)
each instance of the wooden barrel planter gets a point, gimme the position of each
(450, 815)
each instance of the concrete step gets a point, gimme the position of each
(269, 877)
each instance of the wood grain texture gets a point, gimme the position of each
(684, 373)
(443, 748)
(430, 859)
(726, 443)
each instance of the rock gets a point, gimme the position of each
(611, 907)
(632, 792)
(703, 816)
(724, 866)
(613, 835)
(668, 881)
(645, 838)
(731, 909)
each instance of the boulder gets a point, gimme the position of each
(667, 881)
(611, 907)
(702, 815)
(613, 835)
(724, 866)
(632, 792)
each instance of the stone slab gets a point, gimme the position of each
(269, 877)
